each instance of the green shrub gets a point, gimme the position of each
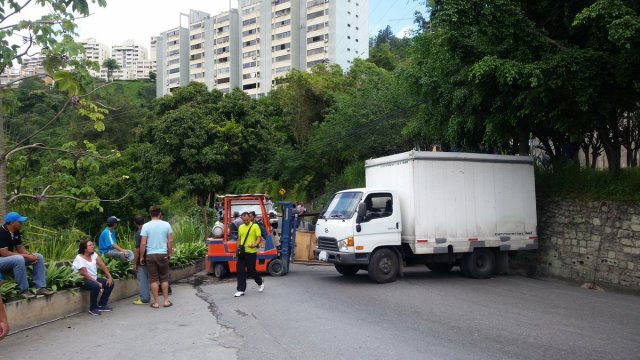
(9, 290)
(588, 184)
(118, 269)
(187, 253)
(62, 277)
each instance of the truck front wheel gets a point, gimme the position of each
(479, 264)
(347, 270)
(383, 266)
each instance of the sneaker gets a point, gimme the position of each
(27, 295)
(94, 312)
(238, 294)
(140, 302)
(261, 287)
(44, 291)
(104, 308)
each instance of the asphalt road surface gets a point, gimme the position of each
(315, 313)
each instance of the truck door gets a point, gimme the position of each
(381, 224)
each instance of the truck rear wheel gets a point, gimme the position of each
(440, 267)
(383, 266)
(479, 264)
(347, 270)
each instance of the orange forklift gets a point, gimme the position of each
(274, 257)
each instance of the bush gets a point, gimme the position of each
(62, 277)
(588, 184)
(9, 290)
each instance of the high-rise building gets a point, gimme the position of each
(128, 53)
(262, 40)
(172, 60)
(94, 51)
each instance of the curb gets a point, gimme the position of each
(25, 314)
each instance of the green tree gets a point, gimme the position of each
(494, 71)
(111, 65)
(53, 34)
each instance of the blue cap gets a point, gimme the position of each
(14, 216)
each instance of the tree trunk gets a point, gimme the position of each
(612, 150)
(3, 163)
(523, 143)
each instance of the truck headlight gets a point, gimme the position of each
(346, 243)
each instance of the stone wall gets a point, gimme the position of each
(597, 243)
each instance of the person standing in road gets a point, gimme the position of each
(157, 243)
(139, 266)
(86, 264)
(250, 237)
(14, 256)
(107, 242)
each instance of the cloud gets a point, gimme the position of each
(405, 32)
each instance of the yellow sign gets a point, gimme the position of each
(282, 191)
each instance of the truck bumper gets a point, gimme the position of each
(336, 257)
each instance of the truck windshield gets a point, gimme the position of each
(342, 206)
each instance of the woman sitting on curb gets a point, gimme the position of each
(86, 263)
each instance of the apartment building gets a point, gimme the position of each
(172, 60)
(262, 40)
(96, 52)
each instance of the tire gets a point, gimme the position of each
(276, 267)
(440, 267)
(479, 264)
(219, 270)
(383, 266)
(347, 270)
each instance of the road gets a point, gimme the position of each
(314, 313)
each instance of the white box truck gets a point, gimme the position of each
(439, 209)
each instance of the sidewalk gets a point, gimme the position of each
(188, 329)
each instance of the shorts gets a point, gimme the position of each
(158, 267)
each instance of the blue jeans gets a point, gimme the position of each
(118, 254)
(93, 287)
(143, 284)
(18, 265)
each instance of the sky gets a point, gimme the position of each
(140, 19)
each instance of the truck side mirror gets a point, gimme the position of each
(362, 212)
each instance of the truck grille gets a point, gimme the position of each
(327, 243)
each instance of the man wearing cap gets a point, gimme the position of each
(107, 241)
(14, 257)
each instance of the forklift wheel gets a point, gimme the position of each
(219, 270)
(276, 267)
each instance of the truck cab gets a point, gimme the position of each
(354, 224)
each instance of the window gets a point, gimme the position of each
(222, 81)
(282, 58)
(250, 32)
(282, 35)
(315, 51)
(249, 86)
(379, 205)
(315, 27)
(317, 38)
(281, 47)
(281, 23)
(249, 22)
(316, 14)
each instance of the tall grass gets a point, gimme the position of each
(589, 184)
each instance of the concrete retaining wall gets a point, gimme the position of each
(24, 314)
(596, 243)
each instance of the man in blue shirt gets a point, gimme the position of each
(157, 244)
(107, 242)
